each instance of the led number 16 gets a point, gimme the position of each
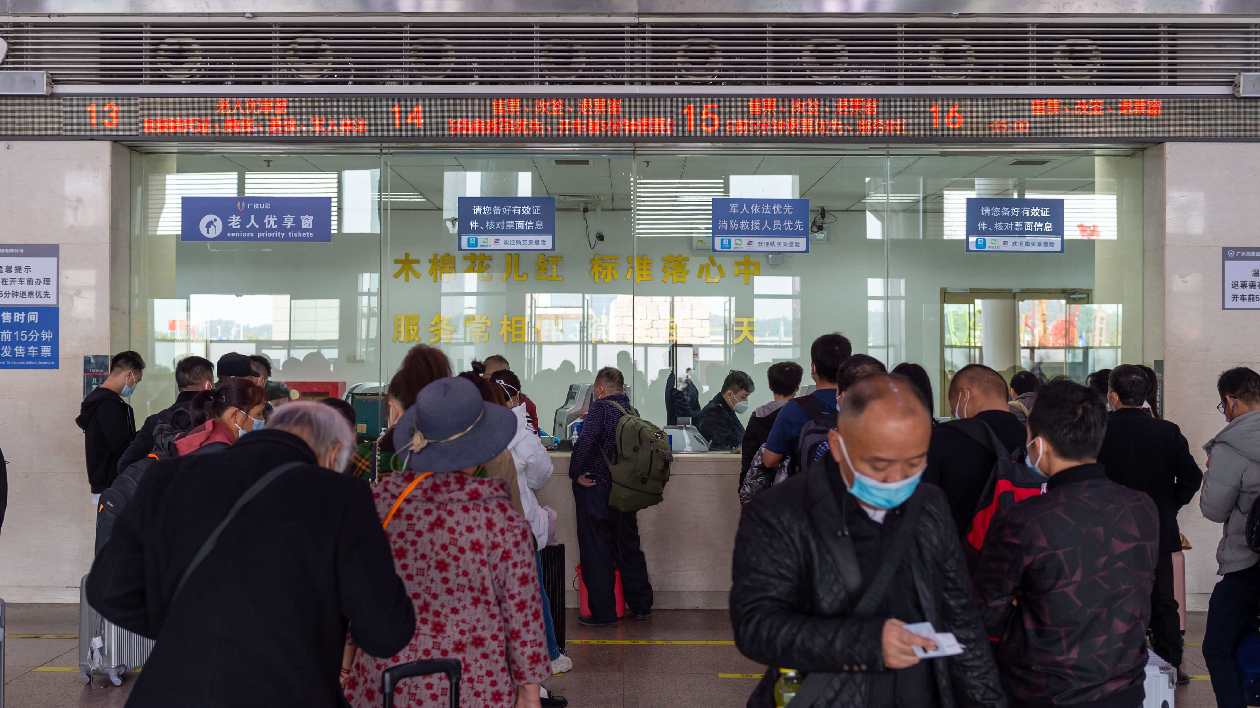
(953, 119)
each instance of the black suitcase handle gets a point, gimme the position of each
(395, 675)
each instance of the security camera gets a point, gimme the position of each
(599, 235)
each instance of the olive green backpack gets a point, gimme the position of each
(640, 463)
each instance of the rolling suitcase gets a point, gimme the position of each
(105, 649)
(553, 583)
(394, 675)
(1161, 682)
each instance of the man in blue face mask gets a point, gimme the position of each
(832, 565)
(107, 421)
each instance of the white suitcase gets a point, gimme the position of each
(105, 649)
(1161, 682)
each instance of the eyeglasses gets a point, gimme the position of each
(1220, 407)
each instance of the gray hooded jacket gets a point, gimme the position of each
(1231, 484)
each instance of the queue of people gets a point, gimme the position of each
(856, 562)
(1070, 585)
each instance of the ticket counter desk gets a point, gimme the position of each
(687, 538)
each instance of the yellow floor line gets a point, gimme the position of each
(1194, 644)
(743, 676)
(684, 642)
(41, 636)
(66, 669)
(1200, 678)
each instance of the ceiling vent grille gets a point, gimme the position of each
(597, 52)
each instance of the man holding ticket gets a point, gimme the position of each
(1064, 579)
(851, 572)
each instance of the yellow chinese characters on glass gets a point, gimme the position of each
(476, 328)
(674, 269)
(406, 328)
(513, 270)
(747, 267)
(604, 268)
(478, 263)
(440, 328)
(745, 329)
(442, 266)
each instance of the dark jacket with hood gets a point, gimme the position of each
(720, 426)
(109, 425)
(263, 620)
(796, 582)
(143, 443)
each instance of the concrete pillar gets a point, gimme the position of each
(998, 337)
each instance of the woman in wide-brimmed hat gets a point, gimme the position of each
(465, 555)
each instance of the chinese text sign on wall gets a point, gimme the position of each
(28, 274)
(1015, 225)
(507, 223)
(761, 225)
(28, 337)
(256, 219)
(1240, 275)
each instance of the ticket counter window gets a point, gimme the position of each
(634, 276)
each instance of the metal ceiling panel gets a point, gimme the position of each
(637, 53)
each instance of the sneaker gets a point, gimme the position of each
(1182, 677)
(554, 701)
(561, 664)
(592, 622)
(645, 615)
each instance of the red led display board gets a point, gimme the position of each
(612, 118)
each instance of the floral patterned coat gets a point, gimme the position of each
(468, 562)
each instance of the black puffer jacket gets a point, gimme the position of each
(720, 426)
(796, 579)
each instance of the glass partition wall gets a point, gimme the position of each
(633, 281)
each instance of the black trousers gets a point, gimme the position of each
(608, 541)
(1231, 612)
(1165, 624)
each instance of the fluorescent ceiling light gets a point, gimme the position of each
(675, 207)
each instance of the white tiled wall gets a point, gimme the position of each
(1209, 201)
(73, 194)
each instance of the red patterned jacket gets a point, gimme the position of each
(1080, 560)
(467, 559)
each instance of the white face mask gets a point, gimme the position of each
(965, 403)
(1041, 452)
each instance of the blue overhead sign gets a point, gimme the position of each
(209, 219)
(507, 223)
(29, 337)
(760, 225)
(1015, 225)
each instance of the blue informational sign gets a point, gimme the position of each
(28, 337)
(760, 225)
(208, 219)
(1015, 225)
(507, 223)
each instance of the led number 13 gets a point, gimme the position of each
(109, 115)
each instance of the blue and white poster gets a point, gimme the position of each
(507, 223)
(997, 225)
(28, 337)
(208, 219)
(760, 225)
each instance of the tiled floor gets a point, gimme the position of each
(657, 663)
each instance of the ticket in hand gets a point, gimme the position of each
(946, 643)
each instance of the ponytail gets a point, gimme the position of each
(232, 393)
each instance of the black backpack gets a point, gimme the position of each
(1252, 530)
(814, 435)
(119, 494)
